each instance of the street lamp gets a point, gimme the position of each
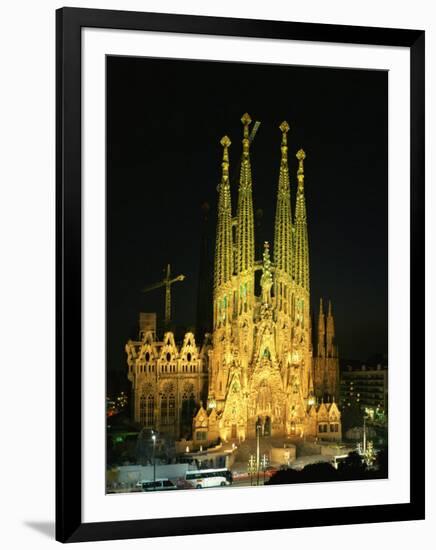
(264, 465)
(153, 437)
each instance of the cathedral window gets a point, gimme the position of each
(171, 409)
(167, 405)
(146, 409)
(322, 428)
(149, 417)
(188, 407)
(142, 408)
(164, 409)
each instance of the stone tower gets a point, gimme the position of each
(261, 369)
(326, 363)
(257, 373)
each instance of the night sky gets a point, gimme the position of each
(165, 119)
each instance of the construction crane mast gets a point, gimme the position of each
(166, 282)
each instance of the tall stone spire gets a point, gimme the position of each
(245, 221)
(223, 272)
(301, 245)
(283, 221)
(224, 246)
(330, 333)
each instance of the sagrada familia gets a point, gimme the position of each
(257, 370)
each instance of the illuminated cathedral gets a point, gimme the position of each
(257, 371)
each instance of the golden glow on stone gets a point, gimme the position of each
(246, 121)
(284, 127)
(261, 357)
(301, 155)
(258, 369)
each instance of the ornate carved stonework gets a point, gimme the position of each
(258, 370)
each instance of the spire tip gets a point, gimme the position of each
(246, 119)
(284, 127)
(225, 141)
(301, 155)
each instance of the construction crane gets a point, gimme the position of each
(254, 131)
(166, 282)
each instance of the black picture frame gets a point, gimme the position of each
(69, 525)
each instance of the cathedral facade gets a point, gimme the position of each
(256, 372)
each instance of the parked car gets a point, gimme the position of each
(158, 485)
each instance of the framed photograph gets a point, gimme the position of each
(240, 275)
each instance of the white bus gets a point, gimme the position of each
(201, 479)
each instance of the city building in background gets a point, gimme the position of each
(365, 386)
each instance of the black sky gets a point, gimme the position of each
(165, 119)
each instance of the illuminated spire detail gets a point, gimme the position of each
(245, 220)
(224, 246)
(283, 221)
(301, 244)
(301, 155)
